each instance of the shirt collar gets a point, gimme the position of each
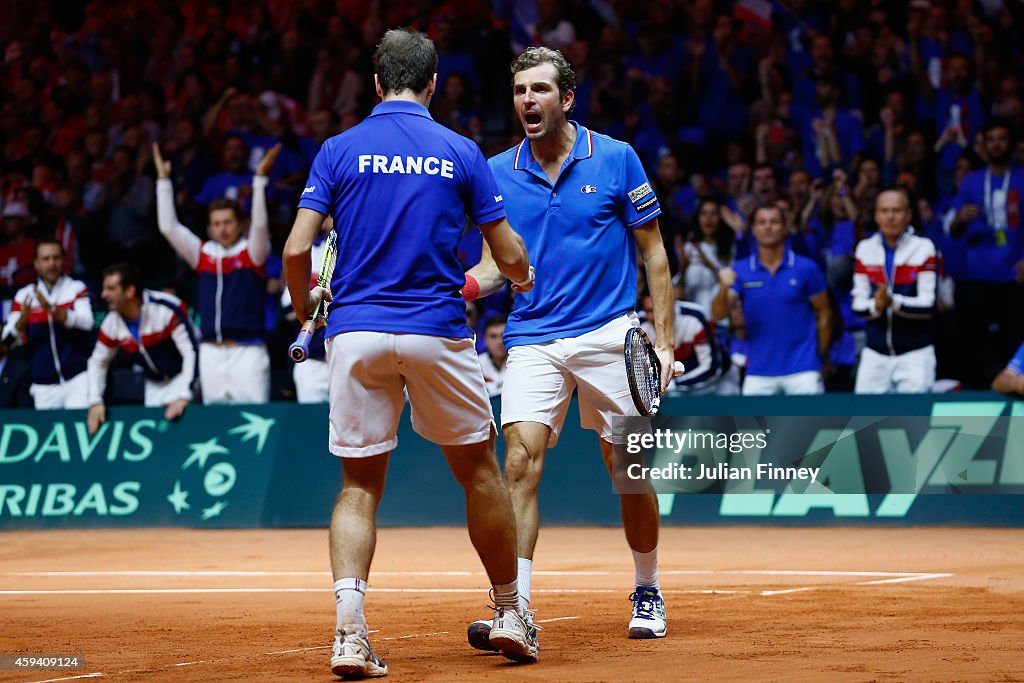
(583, 148)
(401, 107)
(788, 260)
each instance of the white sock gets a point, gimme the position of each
(506, 595)
(525, 579)
(348, 598)
(646, 565)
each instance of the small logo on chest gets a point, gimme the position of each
(588, 189)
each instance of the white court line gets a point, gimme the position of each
(417, 635)
(916, 577)
(70, 678)
(788, 590)
(548, 621)
(301, 649)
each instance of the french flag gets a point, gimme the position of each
(758, 12)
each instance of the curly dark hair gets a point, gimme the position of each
(535, 56)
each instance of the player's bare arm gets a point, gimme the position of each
(725, 299)
(659, 282)
(504, 257)
(1008, 382)
(298, 266)
(823, 317)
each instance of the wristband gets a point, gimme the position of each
(471, 290)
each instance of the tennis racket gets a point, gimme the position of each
(643, 370)
(299, 350)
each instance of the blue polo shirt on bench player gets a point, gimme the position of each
(781, 325)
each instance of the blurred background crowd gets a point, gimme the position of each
(807, 105)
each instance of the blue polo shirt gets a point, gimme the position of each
(400, 186)
(579, 235)
(781, 325)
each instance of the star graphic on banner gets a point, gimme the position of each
(202, 451)
(214, 510)
(178, 498)
(255, 427)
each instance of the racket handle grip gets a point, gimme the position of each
(678, 369)
(299, 350)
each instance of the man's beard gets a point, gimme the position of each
(1003, 159)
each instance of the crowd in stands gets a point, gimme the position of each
(809, 106)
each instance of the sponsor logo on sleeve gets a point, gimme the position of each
(311, 188)
(643, 197)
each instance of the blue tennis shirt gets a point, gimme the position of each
(782, 331)
(399, 186)
(579, 235)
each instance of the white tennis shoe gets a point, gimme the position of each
(648, 614)
(514, 636)
(352, 657)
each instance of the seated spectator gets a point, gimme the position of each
(1011, 379)
(17, 251)
(832, 135)
(53, 320)
(155, 332)
(492, 360)
(956, 109)
(233, 363)
(894, 288)
(710, 249)
(708, 368)
(235, 181)
(786, 312)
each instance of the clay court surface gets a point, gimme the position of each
(743, 603)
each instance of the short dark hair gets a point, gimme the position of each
(47, 240)
(769, 206)
(129, 274)
(225, 203)
(999, 122)
(495, 320)
(405, 60)
(763, 165)
(535, 56)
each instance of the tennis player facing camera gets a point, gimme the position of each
(399, 187)
(583, 205)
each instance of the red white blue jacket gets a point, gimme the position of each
(906, 325)
(165, 348)
(232, 280)
(697, 345)
(57, 352)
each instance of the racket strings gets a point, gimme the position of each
(643, 371)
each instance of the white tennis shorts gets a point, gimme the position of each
(369, 372)
(234, 373)
(540, 379)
